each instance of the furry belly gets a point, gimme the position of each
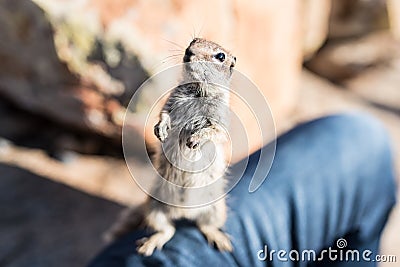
(192, 167)
(193, 181)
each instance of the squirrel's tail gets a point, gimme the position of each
(129, 219)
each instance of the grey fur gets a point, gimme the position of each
(195, 113)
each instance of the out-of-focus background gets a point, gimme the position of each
(69, 67)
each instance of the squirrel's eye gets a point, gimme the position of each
(220, 57)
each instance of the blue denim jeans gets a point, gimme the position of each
(331, 178)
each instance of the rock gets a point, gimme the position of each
(379, 86)
(262, 35)
(352, 18)
(316, 15)
(44, 223)
(342, 59)
(33, 131)
(78, 62)
(394, 17)
(55, 68)
(267, 35)
(102, 176)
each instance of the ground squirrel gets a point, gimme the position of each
(195, 113)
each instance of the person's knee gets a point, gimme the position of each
(360, 128)
(359, 132)
(356, 143)
(356, 148)
(367, 143)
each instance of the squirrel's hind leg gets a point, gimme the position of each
(158, 221)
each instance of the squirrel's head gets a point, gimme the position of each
(208, 61)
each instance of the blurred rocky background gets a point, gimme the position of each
(68, 69)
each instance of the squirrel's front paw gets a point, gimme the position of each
(193, 141)
(201, 136)
(162, 127)
(161, 130)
